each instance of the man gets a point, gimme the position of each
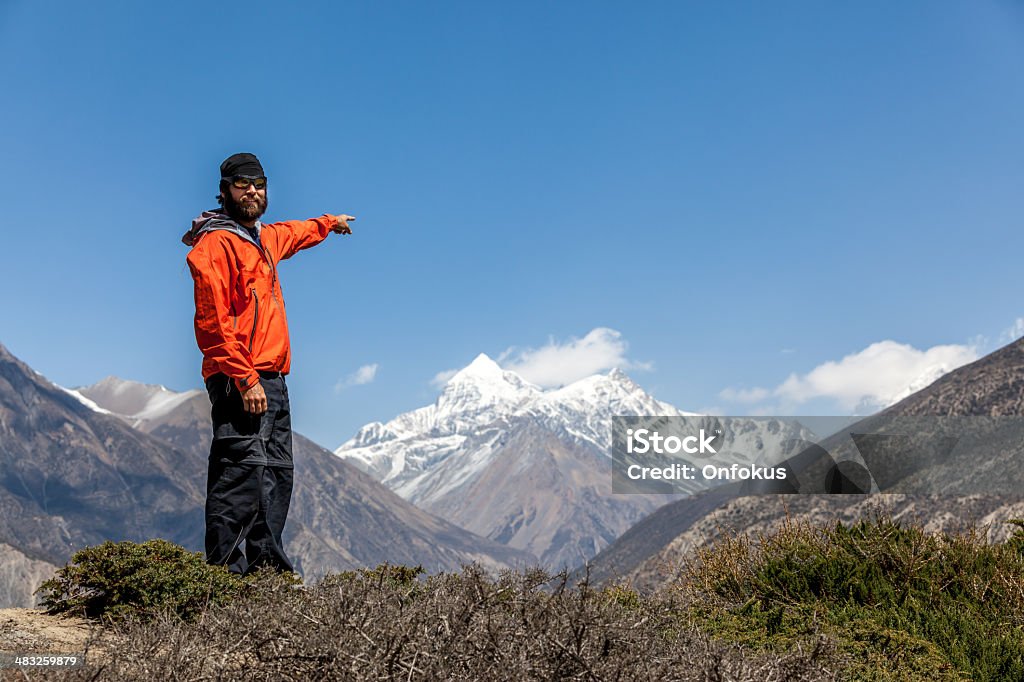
(243, 334)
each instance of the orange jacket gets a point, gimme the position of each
(240, 318)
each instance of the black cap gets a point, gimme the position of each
(243, 163)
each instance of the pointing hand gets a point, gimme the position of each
(341, 224)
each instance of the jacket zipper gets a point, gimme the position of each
(255, 318)
(273, 274)
(273, 270)
(273, 277)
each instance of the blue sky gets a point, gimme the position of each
(753, 207)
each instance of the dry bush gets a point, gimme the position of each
(876, 600)
(385, 624)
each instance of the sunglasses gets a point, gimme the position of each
(243, 182)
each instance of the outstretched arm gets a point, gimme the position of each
(287, 238)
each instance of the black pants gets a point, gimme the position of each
(249, 483)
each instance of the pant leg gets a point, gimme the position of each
(232, 504)
(234, 477)
(282, 463)
(265, 544)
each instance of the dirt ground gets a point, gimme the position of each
(32, 631)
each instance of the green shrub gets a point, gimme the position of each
(394, 575)
(115, 579)
(623, 595)
(900, 603)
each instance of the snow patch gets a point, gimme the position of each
(82, 399)
(163, 403)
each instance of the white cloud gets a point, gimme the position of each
(363, 375)
(868, 380)
(1013, 332)
(557, 364)
(441, 378)
(744, 395)
(986, 344)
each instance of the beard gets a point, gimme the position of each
(245, 210)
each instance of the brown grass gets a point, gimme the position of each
(383, 625)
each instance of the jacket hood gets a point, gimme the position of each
(215, 219)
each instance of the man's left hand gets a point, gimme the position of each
(341, 223)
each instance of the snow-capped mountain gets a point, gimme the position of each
(476, 395)
(479, 395)
(516, 463)
(135, 402)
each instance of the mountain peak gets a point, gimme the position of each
(134, 399)
(622, 380)
(482, 367)
(482, 384)
(119, 385)
(618, 375)
(109, 381)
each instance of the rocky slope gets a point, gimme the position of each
(20, 575)
(72, 476)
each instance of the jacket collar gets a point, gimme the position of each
(217, 219)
